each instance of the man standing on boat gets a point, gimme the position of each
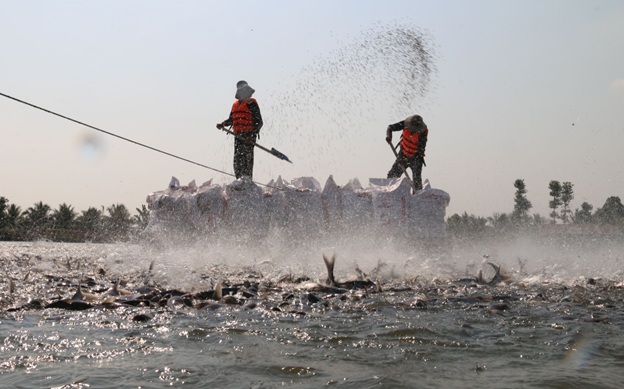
(412, 153)
(246, 122)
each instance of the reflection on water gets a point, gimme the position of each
(545, 328)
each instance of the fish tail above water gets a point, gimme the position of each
(329, 264)
(149, 274)
(11, 284)
(498, 277)
(479, 280)
(83, 296)
(218, 291)
(361, 275)
(116, 290)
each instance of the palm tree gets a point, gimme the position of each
(118, 222)
(90, 222)
(142, 218)
(39, 214)
(3, 207)
(14, 216)
(64, 217)
(37, 220)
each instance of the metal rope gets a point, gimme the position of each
(126, 139)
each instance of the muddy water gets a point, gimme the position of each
(549, 326)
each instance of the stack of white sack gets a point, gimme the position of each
(298, 210)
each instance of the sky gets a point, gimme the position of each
(530, 90)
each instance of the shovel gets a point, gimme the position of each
(272, 151)
(396, 155)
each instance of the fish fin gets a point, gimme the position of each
(78, 295)
(329, 264)
(497, 268)
(218, 291)
(11, 284)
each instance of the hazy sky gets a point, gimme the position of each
(523, 89)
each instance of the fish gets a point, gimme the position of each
(117, 291)
(147, 277)
(329, 265)
(69, 304)
(498, 277)
(353, 284)
(84, 296)
(479, 280)
(11, 284)
(218, 291)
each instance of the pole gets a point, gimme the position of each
(272, 151)
(396, 155)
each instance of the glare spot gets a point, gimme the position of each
(90, 147)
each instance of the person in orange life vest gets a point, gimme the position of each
(413, 143)
(246, 122)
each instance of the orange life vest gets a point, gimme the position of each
(241, 116)
(409, 142)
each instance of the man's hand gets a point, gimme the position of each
(389, 134)
(220, 126)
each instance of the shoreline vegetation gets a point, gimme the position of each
(63, 224)
(116, 224)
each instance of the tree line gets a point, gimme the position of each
(520, 219)
(64, 224)
(116, 224)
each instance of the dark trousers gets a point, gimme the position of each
(415, 163)
(244, 157)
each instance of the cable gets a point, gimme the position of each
(126, 139)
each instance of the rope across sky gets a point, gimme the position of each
(122, 138)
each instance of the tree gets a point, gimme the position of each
(37, 220)
(612, 212)
(538, 219)
(584, 215)
(90, 222)
(3, 208)
(142, 218)
(522, 205)
(14, 216)
(64, 217)
(500, 222)
(555, 192)
(567, 195)
(118, 222)
(13, 224)
(469, 226)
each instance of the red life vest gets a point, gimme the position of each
(409, 142)
(241, 116)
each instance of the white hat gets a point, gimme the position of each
(243, 90)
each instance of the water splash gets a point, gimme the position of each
(382, 75)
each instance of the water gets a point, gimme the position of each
(556, 324)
